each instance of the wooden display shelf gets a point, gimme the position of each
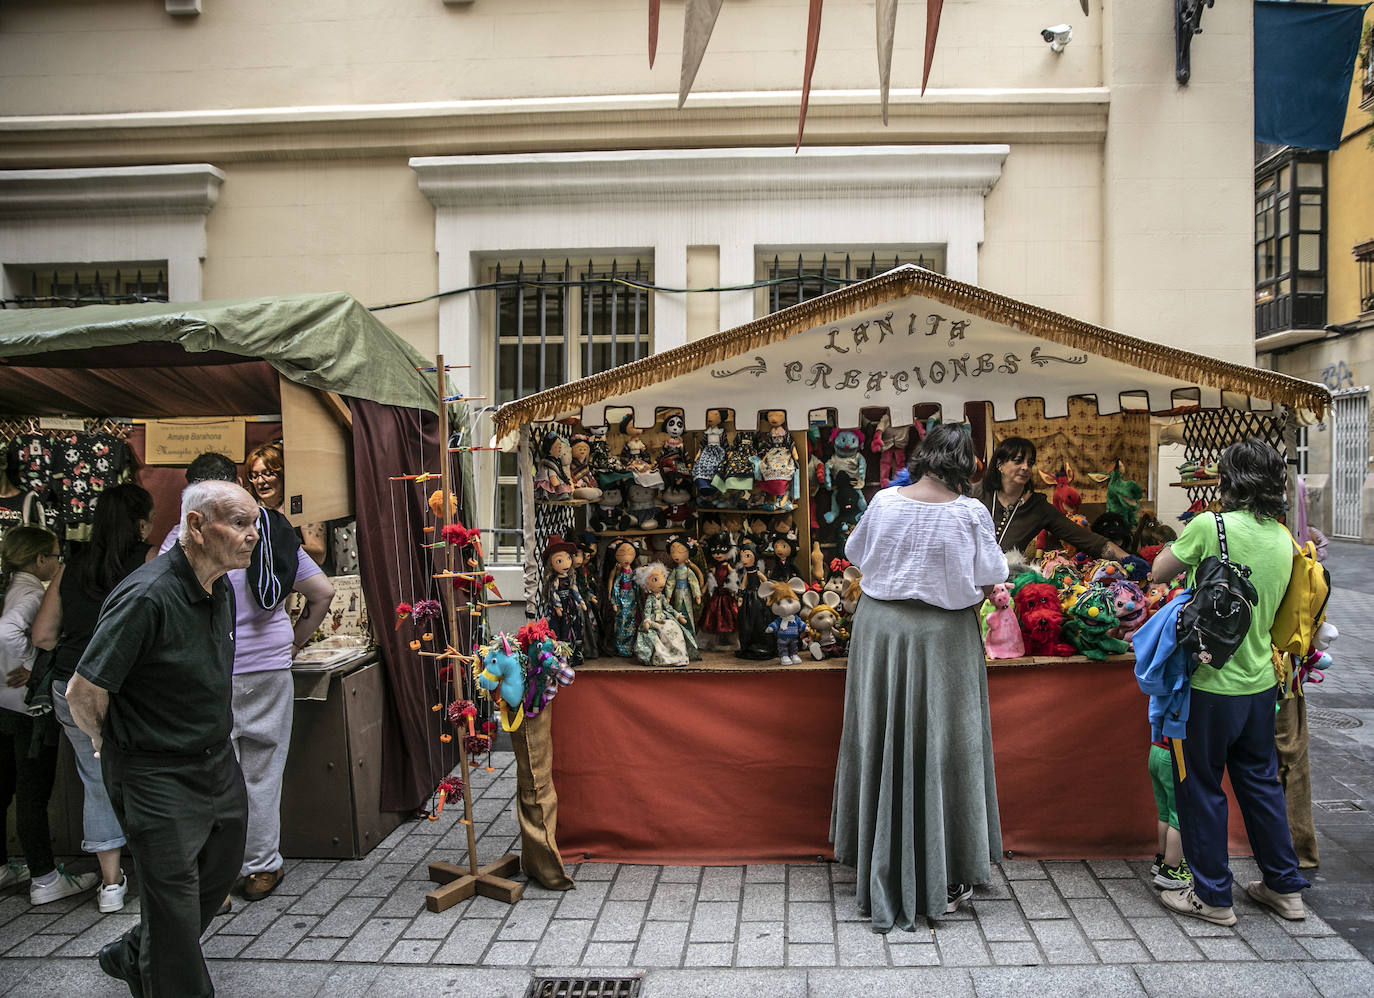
(725, 661)
(1197, 483)
(562, 502)
(635, 532)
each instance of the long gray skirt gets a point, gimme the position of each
(915, 805)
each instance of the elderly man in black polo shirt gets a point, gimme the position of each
(153, 692)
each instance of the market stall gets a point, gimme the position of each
(252, 357)
(729, 759)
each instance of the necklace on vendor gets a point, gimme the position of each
(1010, 511)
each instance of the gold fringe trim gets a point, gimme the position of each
(1182, 365)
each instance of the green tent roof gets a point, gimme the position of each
(325, 341)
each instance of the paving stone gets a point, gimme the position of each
(1121, 951)
(904, 983)
(1099, 919)
(808, 883)
(412, 951)
(608, 954)
(1196, 928)
(252, 918)
(997, 887)
(597, 871)
(76, 921)
(280, 937)
(1268, 940)
(39, 945)
(1208, 980)
(634, 883)
(356, 869)
(527, 921)
(1016, 954)
(563, 942)
(1341, 980)
(1164, 939)
(1039, 899)
(1063, 942)
(709, 955)
(858, 945)
(585, 901)
(1023, 869)
(371, 942)
(810, 922)
(316, 948)
(509, 953)
(1225, 949)
(674, 902)
(1074, 880)
(13, 905)
(847, 905)
(661, 944)
(226, 947)
(467, 942)
(1107, 869)
(706, 983)
(1312, 925)
(321, 897)
(1062, 982)
(406, 903)
(303, 875)
(1329, 948)
(714, 922)
(841, 874)
(346, 917)
(764, 902)
(619, 921)
(1001, 922)
(1135, 898)
(811, 954)
(912, 955)
(961, 945)
(680, 875)
(16, 930)
(480, 907)
(721, 883)
(107, 929)
(765, 873)
(382, 880)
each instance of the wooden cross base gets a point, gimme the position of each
(460, 883)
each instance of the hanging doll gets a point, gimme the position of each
(684, 579)
(844, 476)
(777, 469)
(551, 475)
(584, 577)
(583, 480)
(709, 457)
(735, 479)
(890, 443)
(672, 453)
(752, 619)
(567, 609)
(780, 566)
(720, 620)
(620, 596)
(785, 599)
(663, 636)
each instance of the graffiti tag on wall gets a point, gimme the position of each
(1338, 375)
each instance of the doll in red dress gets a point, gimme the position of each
(720, 621)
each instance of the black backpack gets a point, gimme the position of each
(1214, 622)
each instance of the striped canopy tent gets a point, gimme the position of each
(913, 337)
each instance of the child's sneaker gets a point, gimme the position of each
(957, 895)
(13, 874)
(110, 897)
(1174, 878)
(63, 885)
(1158, 862)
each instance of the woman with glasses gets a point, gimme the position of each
(267, 482)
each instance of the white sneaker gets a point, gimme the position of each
(110, 897)
(1186, 902)
(1288, 906)
(13, 874)
(64, 886)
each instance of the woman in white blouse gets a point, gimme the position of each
(915, 806)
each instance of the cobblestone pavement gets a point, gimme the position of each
(1091, 928)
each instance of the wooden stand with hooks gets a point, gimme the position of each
(493, 879)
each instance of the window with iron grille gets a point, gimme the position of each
(795, 276)
(1290, 244)
(71, 286)
(1364, 260)
(554, 321)
(1302, 450)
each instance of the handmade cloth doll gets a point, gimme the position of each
(784, 599)
(780, 565)
(551, 474)
(677, 508)
(663, 636)
(583, 480)
(846, 457)
(1041, 617)
(684, 583)
(710, 456)
(752, 619)
(567, 609)
(1128, 605)
(609, 513)
(890, 442)
(547, 664)
(847, 504)
(1004, 631)
(584, 576)
(634, 456)
(620, 595)
(821, 611)
(608, 470)
(1089, 625)
(720, 619)
(735, 479)
(1065, 498)
(672, 453)
(643, 506)
(777, 469)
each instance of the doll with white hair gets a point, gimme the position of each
(664, 635)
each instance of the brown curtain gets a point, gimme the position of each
(387, 442)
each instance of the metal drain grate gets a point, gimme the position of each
(1345, 806)
(583, 987)
(1320, 717)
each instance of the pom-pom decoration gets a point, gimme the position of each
(427, 609)
(476, 744)
(449, 786)
(403, 610)
(533, 633)
(436, 504)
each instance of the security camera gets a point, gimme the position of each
(1058, 36)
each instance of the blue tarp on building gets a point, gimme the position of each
(1304, 60)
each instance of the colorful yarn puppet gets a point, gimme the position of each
(1128, 604)
(503, 675)
(1041, 616)
(1123, 495)
(1090, 623)
(546, 665)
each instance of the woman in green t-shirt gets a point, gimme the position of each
(1231, 711)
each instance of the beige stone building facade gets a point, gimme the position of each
(399, 149)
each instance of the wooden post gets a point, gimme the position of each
(490, 880)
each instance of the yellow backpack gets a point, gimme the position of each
(1304, 603)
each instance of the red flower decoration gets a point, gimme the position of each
(403, 610)
(477, 744)
(490, 727)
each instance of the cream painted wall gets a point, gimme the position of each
(356, 226)
(1350, 211)
(86, 56)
